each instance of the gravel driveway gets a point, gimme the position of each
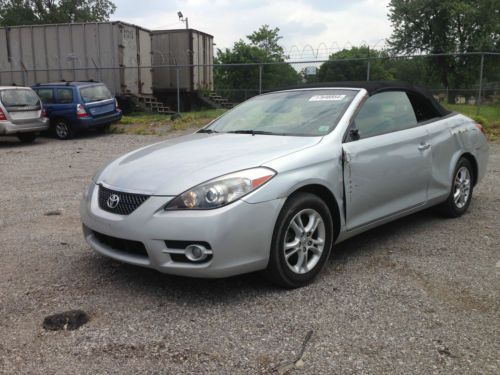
(420, 295)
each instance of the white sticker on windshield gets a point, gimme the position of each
(322, 98)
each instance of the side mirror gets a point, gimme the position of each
(354, 134)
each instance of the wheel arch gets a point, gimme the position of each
(53, 120)
(475, 167)
(328, 197)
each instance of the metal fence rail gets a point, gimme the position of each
(469, 78)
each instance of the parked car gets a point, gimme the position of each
(78, 106)
(21, 113)
(276, 182)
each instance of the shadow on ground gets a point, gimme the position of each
(143, 281)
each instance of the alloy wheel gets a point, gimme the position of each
(462, 186)
(62, 130)
(304, 241)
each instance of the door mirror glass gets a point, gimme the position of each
(354, 133)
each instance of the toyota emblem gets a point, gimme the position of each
(113, 201)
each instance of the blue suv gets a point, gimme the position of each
(76, 106)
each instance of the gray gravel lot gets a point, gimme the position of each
(420, 295)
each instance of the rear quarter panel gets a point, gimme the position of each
(451, 137)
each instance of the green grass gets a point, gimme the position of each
(489, 117)
(489, 112)
(156, 124)
(144, 123)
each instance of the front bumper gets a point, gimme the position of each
(38, 125)
(92, 122)
(239, 234)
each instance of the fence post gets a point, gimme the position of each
(478, 110)
(98, 69)
(178, 90)
(25, 74)
(260, 78)
(368, 66)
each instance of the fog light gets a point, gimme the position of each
(196, 253)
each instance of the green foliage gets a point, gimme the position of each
(481, 120)
(142, 123)
(489, 112)
(354, 70)
(489, 118)
(446, 26)
(32, 12)
(439, 26)
(262, 47)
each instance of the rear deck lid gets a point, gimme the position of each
(98, 100)
(21, 104)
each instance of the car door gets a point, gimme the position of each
(386, 160)
(442, 134)
(64, 106)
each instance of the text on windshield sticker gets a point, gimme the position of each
(322, 98)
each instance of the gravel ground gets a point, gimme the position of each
(420, 295)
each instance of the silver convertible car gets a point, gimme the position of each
(273, 184)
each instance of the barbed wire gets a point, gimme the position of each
(322, 50)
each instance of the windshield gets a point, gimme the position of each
(95, 93)
(301, 112)
(19, 98)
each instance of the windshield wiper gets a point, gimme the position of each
(207, 131)
(253, 132)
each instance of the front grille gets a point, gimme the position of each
(119, 244)
(127, 202)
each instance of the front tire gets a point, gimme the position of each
(302, 241)
(63, 130)
(461, 190)
(27, 137)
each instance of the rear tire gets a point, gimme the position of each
(27, 137)
(461, 190)
(302, 241)
(62, 130)
(103, 129)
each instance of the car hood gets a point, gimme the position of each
(174, 166)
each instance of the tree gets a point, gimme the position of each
(356, 66)
(263, 47)
(31, 12)
(446, 26)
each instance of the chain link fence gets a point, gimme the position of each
(471, 79)
(454, 79)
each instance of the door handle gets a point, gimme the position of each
(424, 146)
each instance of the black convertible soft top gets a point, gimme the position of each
(374, 87)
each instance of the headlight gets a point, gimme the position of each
(221, 190)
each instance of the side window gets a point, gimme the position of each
(65, 96)
(383, 113)
(47, 95)
(424, 109)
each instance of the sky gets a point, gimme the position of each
(311, 29)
